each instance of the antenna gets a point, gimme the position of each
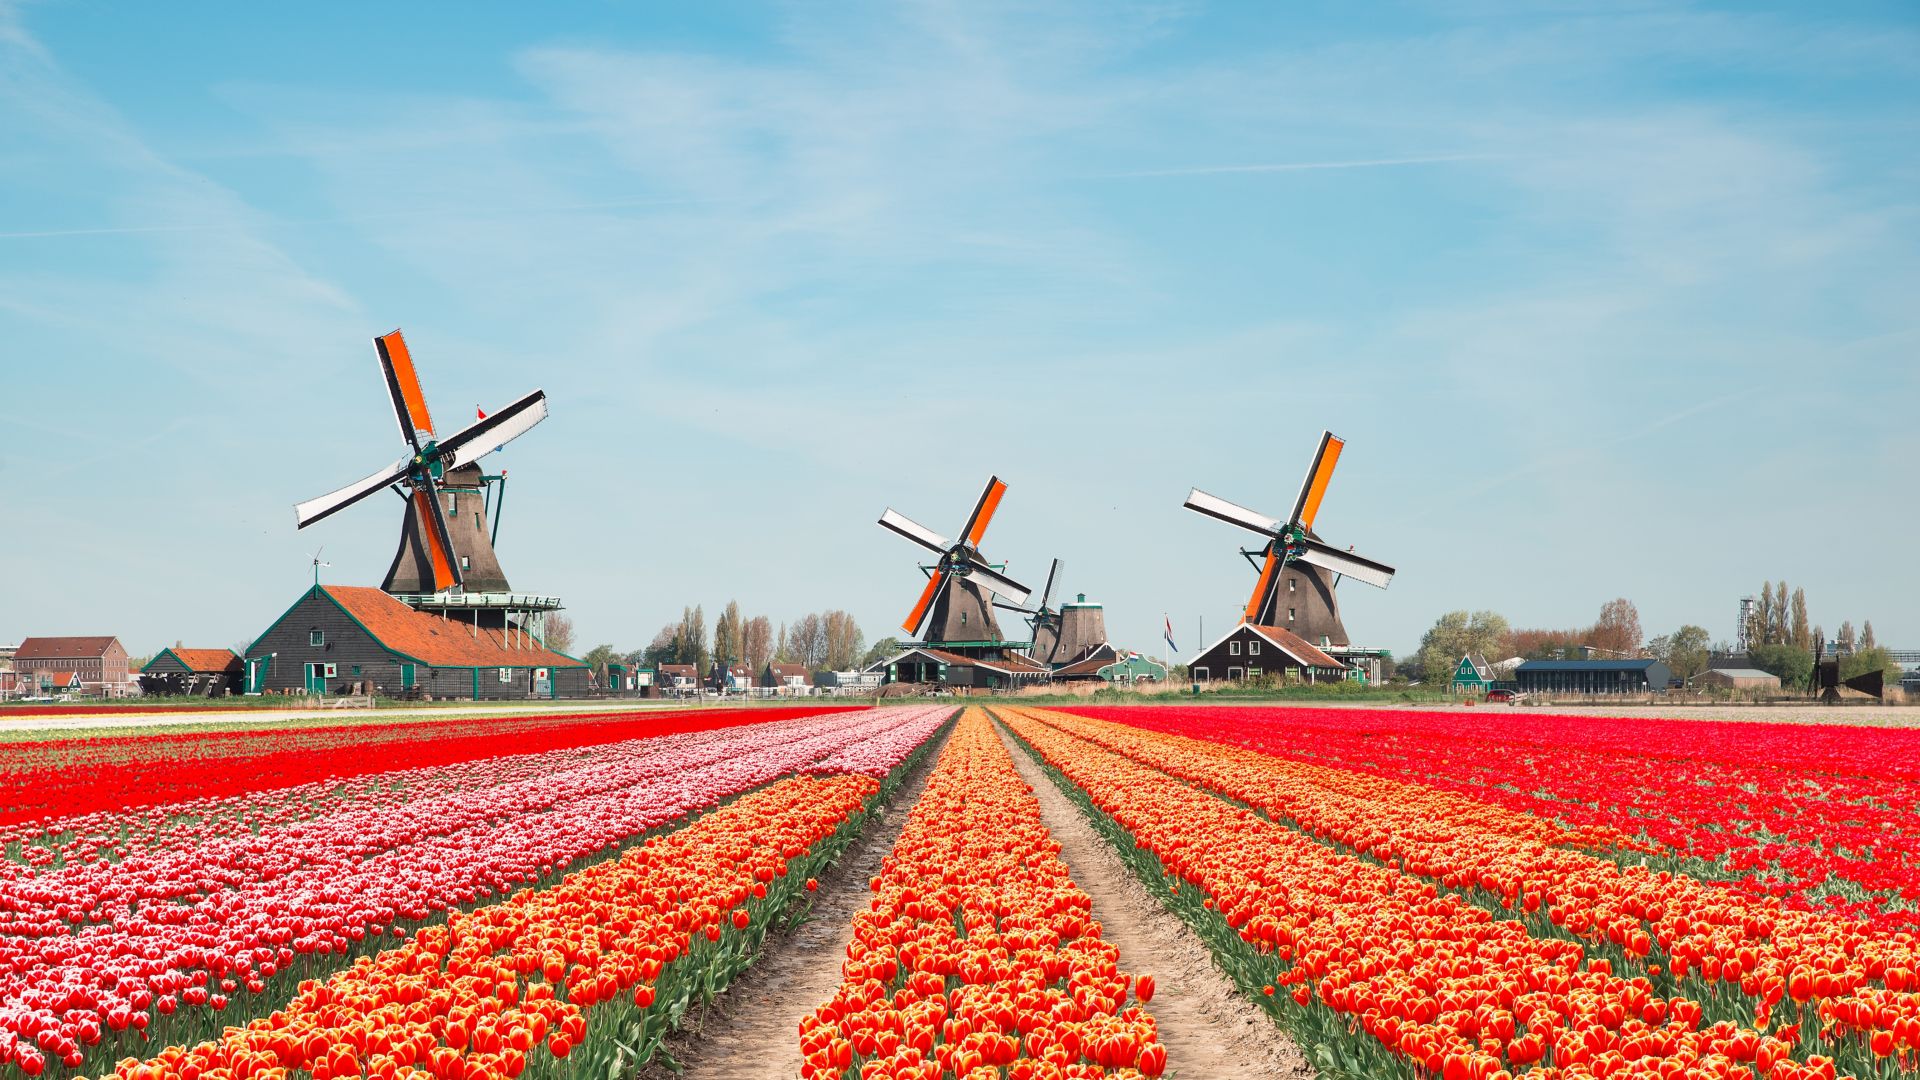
(317, 564)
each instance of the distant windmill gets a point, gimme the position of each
(955, 605)
(439, 550)
(1294, 557)
(1043, 619)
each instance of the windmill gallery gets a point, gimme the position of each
(445, 623)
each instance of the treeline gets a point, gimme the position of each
(1781, 640)
(819, 641)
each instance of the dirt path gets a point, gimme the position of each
(753, 1031)
(1209, 1029)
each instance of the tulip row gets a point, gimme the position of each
(1745, 959)
(1437, 983)
(99, 950)
(1824, 817)
(592, 971)
(61, 781)
(978, 951)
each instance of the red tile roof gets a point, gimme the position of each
(66, 678)
(1297, 646)
(206, 660)
(438, 641)
(63, 648)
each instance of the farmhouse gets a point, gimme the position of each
(679, 679)
(730, 678)
(1592, 676)
(95, 666)
(1250, 651)
(925, 664)
(787, 678)
(338, 639)
(1473, 675)
(200, 672)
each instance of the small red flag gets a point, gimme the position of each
(479, 412)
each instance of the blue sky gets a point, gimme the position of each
(1607, 299)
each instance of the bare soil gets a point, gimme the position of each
(752, 1032)
(1210, 1029)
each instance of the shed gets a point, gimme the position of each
(198, 672)
(1738, 679)
(1592, 676)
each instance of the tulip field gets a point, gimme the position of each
(1405, 894)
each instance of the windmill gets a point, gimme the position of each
(1295, 590)
(1042, 619)
(955, 606)
(317, 564)
(444, 543)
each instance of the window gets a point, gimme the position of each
(1253, 673)
(465, 564)
(1201, 674)
(332, 670)
(1253, 648)
(316, 637)
(1235, 673)
(1233, 648)
(356, 669)
(1293, 584)
(1289, 614)
(506, 674)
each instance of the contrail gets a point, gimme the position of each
(1310, 166)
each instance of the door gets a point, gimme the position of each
(406, 676)
(257, 674)
(316, 678)
(542, 683)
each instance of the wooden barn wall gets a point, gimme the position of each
(346, 644)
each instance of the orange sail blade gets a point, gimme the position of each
(408, 401)
(983, 513)
(1329, 456)
(435, 539)
(919, 613)
(1266, 579)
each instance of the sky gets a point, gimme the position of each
(1607, 299)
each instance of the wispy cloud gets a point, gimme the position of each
(1311, 166)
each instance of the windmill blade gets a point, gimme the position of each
(1376, 574)
(914, 531)
(438, 539)
(1260, 589)
(999, 584)
(921, 606)
(333, 502)
(1232, 513)
(1046, 591)
(403, 385)
(983, 511)
(1314, 487)
(483, 437)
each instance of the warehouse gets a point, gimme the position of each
(1592, 676)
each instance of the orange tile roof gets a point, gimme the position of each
(66, 678)
(1297, 646)
(438, 641)
(207, 660)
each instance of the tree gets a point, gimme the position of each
(1618, 628)
(729, 645)
(1872, 659)
(1866, 637)
(1781, 631)
(560, 634)
(1688, 651)
(663, 648)
(1819, 641)
(693, 640)
(596, 661)
(882, 649)
(1845, 637)
(1454, 635)
(1661, 648)
(1760, 622)
(757, 641)
(844, 641)
(1794, 666)
(1546, 644)
(782, 645)
(807, 642)
(1799, 636)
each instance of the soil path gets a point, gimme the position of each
(1209, 1029)
(753, 1030)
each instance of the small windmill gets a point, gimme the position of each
(1043, 619)
(317, 564)
(956, 606)
(439, 550)
(1294, 556)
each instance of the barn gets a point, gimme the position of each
(196, 672)
(339, 639)
(928, 665)
(1752, 679)
(1592, 676)
(1250, 651)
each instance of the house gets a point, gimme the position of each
(98, 664)
(926, 664)
(730, 678)
(787, 679)
(1738, 679)
(340, 639)
(624, 677)
(849, 682)
(1108, 664)
(1592, 676)
(1472, 675)
(1249, 651)
(679, 680)
(199, 672)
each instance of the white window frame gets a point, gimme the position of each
(1236, 673)
(1253, 673)
(1233, 648)
(506, 675)
(1253, 647)
(316, 638)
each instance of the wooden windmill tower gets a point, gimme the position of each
(1298, 571)
(445, 560)
(955, 610)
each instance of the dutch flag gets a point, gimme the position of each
(1172, 649)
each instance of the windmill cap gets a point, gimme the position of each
(1080, 600)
